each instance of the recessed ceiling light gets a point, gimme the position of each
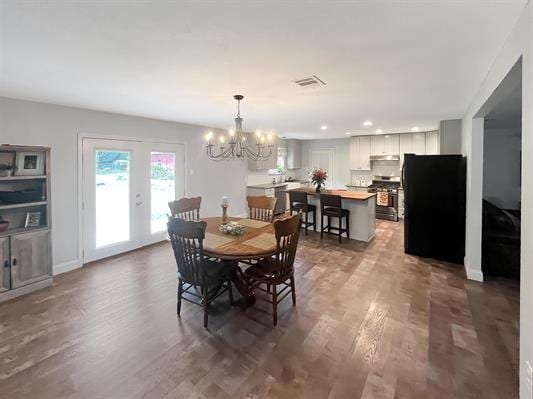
(323, 127)
(378, 131)
(415, 129)
(347, 133)
(367, 123)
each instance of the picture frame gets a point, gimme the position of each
(30, 163)
(7, 163)
(33, 219)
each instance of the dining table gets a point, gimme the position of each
(258, 241)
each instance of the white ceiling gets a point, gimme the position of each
(397, 63)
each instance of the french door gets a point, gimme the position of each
(126, 188)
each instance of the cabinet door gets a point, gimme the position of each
(377, 145)
(30, 258)
(432, 143)
(364, 153)
(406, 146)
(270, 163)
(354, 153)
(4, 264)
(294, 154)
(392, 145)
(419, 143)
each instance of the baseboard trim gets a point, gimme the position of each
(66, 266)
(473, 274)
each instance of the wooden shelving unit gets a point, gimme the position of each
(25, 249)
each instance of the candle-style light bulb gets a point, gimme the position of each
(262, 139)
(269, 137)
(258, 133)
(208, 136)
(231, 132)
(222, 139)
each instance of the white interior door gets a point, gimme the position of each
(126, 189)
(323, 158)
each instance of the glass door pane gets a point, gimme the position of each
(112, 197)
(162, 188)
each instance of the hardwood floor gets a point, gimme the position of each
(371, 322)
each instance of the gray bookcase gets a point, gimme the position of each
(25, 246)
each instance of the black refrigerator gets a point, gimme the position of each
(434, 206)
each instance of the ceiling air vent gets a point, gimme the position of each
(310, 81)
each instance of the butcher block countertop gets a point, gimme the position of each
(345, 194)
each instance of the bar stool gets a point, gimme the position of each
(298, 202)
(331, 206)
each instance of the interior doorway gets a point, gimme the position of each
(502, 175)
(126, 186)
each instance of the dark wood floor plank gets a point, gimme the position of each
(371, 322)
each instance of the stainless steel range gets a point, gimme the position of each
(386, 189)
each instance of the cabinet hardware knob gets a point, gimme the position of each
(14, 262)
(6, 263)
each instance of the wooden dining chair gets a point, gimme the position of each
(278, 270)
(261, 207)
(186, 208)
(196, 271)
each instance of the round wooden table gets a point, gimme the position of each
(258, 241)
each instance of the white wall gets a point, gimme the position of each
(501, 167)
(32, 123)
(520, 43)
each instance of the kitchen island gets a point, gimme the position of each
(362, 207)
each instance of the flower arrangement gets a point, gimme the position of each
(318, 178)
(232, 228)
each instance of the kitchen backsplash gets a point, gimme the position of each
(379, 168)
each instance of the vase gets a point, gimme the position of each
(318, 187)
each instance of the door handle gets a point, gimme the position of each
(6, 263)
(138, 203)
(14, 262)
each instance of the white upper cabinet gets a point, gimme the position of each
(419, 143)
(294, 154)
(354, 153)
(377, 145)
(387, 144)
(432, 143)
(364, 153)
(270, 163)
(406, 146)
(392, 144)
(360, 153)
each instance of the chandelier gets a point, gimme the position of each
(237, 146)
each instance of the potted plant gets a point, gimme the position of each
(318, 178)
(6, 170)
